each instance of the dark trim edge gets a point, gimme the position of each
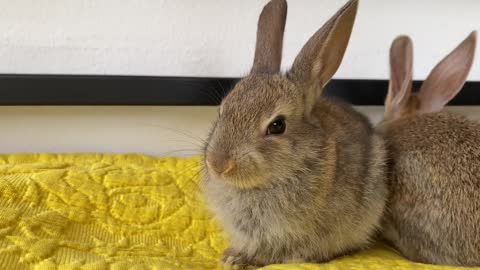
(143, 90)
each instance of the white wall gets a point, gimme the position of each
(212, 37)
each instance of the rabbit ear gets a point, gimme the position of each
(448, 76)
(321, 56)
(400, 84)
(271, 25)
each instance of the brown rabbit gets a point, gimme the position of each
(290, 175)
(434, 208)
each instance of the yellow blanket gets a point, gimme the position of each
(93, 211)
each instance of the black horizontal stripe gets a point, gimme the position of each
(20, 89)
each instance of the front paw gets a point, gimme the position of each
(233, 260)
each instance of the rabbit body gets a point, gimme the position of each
(328, 202)
(433, 211)
(434, 208)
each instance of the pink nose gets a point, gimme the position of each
(221, 166)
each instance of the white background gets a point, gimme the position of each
(188, 38)
(214, 37)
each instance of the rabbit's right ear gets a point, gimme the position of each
(448, 76)
(400, 84)
(271, 25)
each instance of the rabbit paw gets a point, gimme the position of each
(235, 261)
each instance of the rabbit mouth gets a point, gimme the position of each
(239, 171)
(245, 181)
(239, 178)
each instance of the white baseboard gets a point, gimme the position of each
(170, 131)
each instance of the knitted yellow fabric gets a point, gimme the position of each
(92, 211)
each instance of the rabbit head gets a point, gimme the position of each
(266, 120)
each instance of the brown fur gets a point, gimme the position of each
(313, 193)
(434, 208)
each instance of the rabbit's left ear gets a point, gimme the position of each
(448, 77)
(321, 56)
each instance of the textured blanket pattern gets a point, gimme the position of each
(92, 211)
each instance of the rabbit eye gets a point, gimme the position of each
(277, 126)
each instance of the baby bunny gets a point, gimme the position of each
(434, 207)
(293, 176)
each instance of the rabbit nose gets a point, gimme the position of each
(221, 165)
(228, 166)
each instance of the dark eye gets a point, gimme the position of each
(277, 126)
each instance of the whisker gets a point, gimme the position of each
(245, 155)
(212, 95)
(223, 91)
(185, 133)
(203, 90)
(199, 140)
(183, 172)
(197, 180)
(192, 151)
